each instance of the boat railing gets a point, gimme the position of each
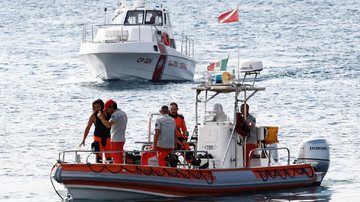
(268, 156)
(150, 123)
(187, 45)
(180, 154)
(63, 158)
(121, 33)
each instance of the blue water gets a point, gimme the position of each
(310, 49)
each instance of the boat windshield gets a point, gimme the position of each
(118, 17)
(153, 17)
(134, 17)
(137, 17)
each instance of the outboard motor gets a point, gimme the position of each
(315, 150)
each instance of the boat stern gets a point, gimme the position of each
(315, 152)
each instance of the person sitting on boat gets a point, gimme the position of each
(101, 132)
(220, 115)
(165, 135)
(182, 134)
(117, 123)
(152, 20)
(251, 139)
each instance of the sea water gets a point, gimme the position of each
(310, 50)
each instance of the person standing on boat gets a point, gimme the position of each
(220, 115)
(251, 140)
(182, 134)
(101, 133)
(181, 130)
(117, 123)
(165, 135)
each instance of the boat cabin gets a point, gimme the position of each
(141, 16)
(137, 24)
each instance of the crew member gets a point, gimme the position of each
(251, 140)
(182, 134)
(117, 123)
(165, 135)
(101, 133)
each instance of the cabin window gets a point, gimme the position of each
(134, 18)
(153, 17)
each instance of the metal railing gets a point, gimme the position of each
(63, 156)
(89, 32)
(187, 46)
(150, 123)
(269, 155)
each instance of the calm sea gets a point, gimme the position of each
(310, 49)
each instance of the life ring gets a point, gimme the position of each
(166, 39)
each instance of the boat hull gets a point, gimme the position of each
(107, 181)
(146, 60)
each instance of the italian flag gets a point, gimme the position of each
(218, 66)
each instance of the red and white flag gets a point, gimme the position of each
(229, 16)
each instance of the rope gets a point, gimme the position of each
(89, 165)
(282, 177)
(151, 171)
(274, 173)
(287, 172)
(268, 172)
(303, 170)
(262, 177)
(128, 170)
(201, 175)
(52, 183)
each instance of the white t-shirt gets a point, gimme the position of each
(252, 138)
(167, 127)
(118, 128)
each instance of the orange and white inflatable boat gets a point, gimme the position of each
(220, 150)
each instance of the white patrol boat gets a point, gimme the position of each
(223, 165)
(138, 43)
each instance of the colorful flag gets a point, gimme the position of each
(218, 66)
(230, 16)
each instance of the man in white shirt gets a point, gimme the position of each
(117, 123)
(165, 135)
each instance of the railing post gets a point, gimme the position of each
(83, 34)
(92, 33)
(139, 34)
(193, 49)
(122, 33)
(186, 45)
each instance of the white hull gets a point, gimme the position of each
(124, 61)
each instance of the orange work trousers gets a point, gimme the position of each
(102, 148)
(146, 156)
(118, 157)
(161, 154)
